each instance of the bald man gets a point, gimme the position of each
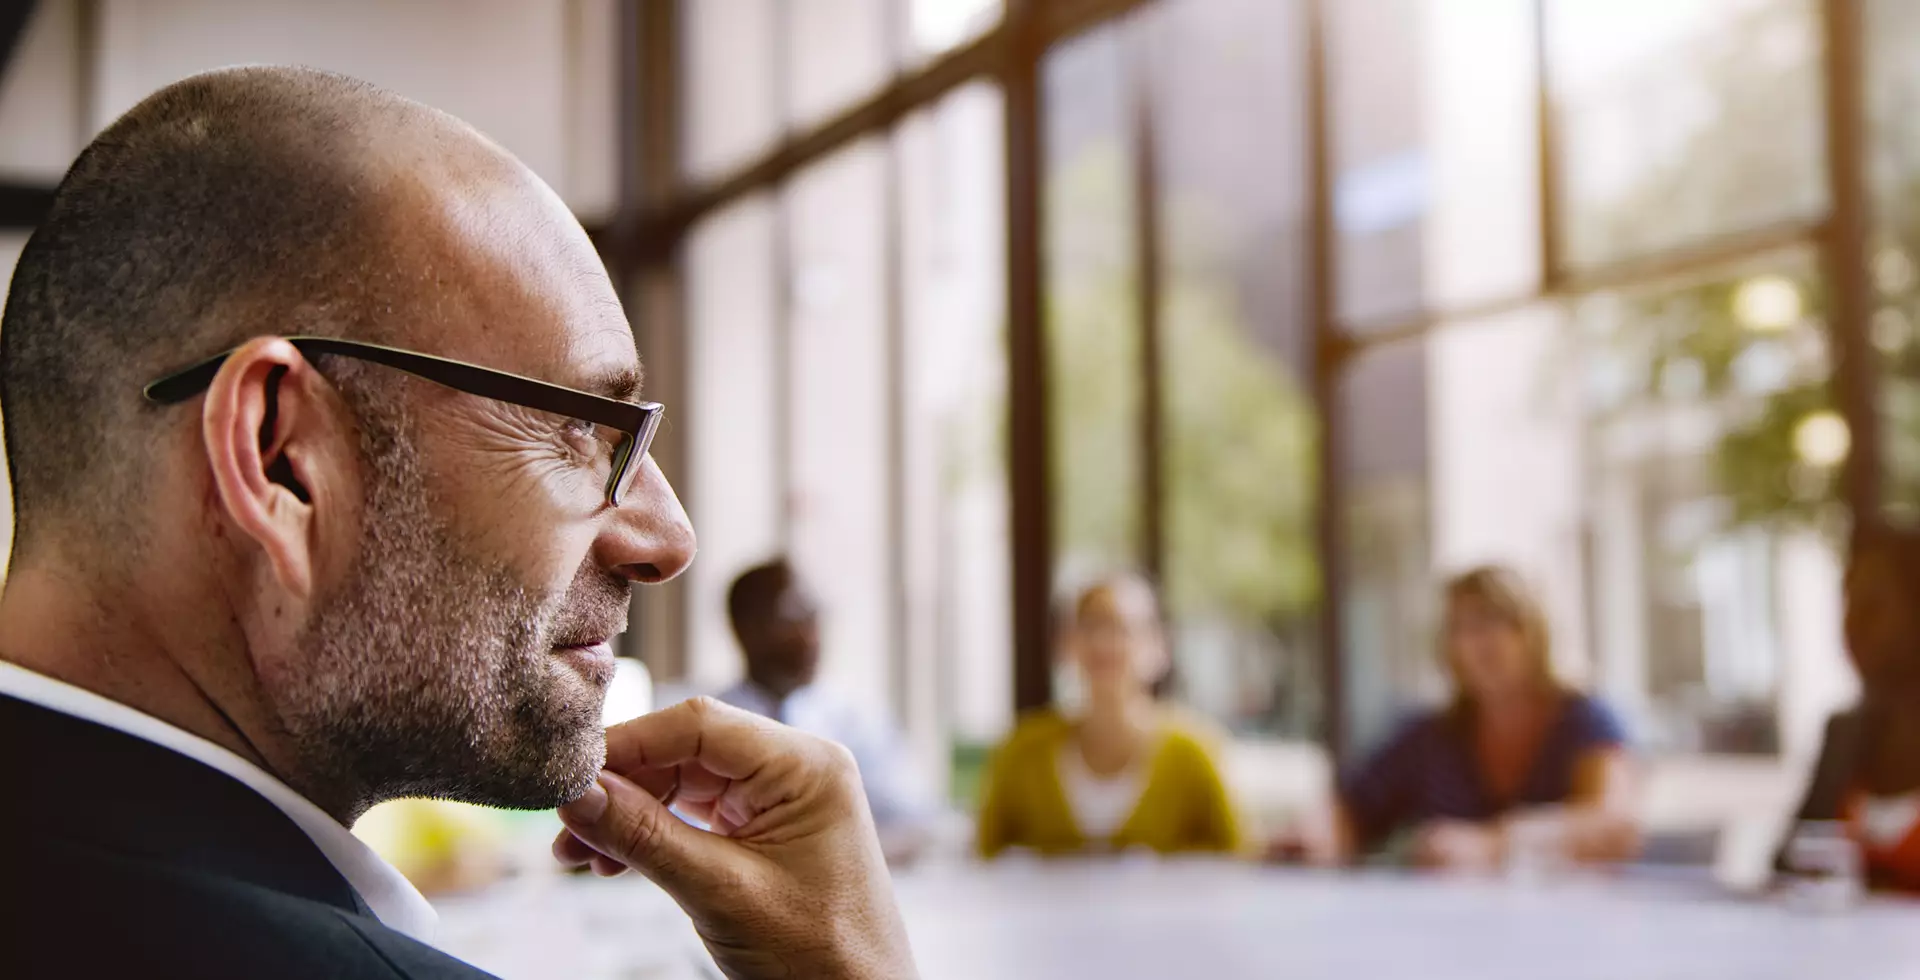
(331, 479)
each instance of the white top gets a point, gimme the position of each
(1887, 820)
(895, 793)
(393, 899)
(1100, 804)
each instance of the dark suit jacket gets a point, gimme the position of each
(119, 858)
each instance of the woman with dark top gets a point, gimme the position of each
(1868, 776)
(1516, 752)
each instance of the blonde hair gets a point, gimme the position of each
(1507, 596)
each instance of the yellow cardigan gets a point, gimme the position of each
(1184, 805)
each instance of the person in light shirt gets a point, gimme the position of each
(1125, 772)
(776, 620)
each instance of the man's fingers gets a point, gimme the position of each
(725, 740)
(619, 820)
(571, 851)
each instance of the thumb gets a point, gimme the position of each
(626, 823)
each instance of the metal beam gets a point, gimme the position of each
(1328, 370)
(1702, 256)
(1148, 270)
(1029, 487)
(1856, 380)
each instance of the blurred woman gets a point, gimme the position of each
(1868, 775)
(1121, 774)
(1516, 762)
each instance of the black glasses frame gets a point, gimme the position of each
(638, 422)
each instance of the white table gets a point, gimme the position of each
(1157, 921)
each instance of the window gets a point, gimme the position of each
(1435, 147)
(934, 26)
(1388, 597)
(1239, 435)
(731, 87)
(734, 490)
(1093, 315)
(837, 53)
(837, 412)
(959, 655)
(1621, 389)
(1709, 490)
(1680, 121)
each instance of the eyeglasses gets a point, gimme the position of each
(632, 424)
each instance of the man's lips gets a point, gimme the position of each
(594, 660)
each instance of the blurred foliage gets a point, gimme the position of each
(1239, 432)
(1686, 345)
(1241, 451)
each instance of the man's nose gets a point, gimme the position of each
(649, 538)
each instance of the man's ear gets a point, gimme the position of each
(274, 448)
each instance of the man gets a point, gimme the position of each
(776, 620)
(253, 594)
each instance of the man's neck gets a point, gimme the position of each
(54, 623)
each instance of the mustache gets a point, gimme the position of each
(594, 608)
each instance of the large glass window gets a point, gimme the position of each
(959, 655)
(734, 490)
(1709, 464)
(1388, 661)
(732, 110)
(837, 52)
(1239, 433)
(1434, 130)
(934, 26)
(1093, 318)
(836, 418)
(1683, 120)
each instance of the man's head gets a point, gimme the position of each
(397, 587)
(777, 621)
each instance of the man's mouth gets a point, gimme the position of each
(592, 658)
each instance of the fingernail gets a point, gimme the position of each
(590, 805)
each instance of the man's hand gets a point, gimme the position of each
(789, 882)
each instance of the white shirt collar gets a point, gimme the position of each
(393, 899)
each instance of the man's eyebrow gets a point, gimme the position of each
(620, 384)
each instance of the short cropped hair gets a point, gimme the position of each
(225, 206)
(754, 593)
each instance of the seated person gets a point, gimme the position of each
(1121, 774)
(1515, 749)
(1869, 770)
(776, 620)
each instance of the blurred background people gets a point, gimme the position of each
(776, 620)
(1122, 772)
(1515, 754)
(1868, 774)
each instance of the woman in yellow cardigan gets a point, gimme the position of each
(1122, 774)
